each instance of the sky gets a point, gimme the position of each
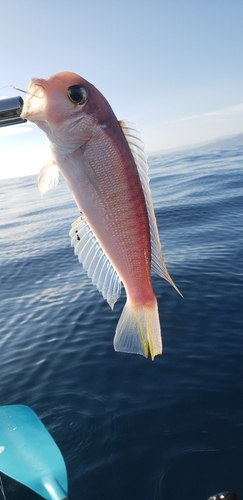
(172, 67)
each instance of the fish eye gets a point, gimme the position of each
(77, 94)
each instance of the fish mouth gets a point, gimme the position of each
(35, 101)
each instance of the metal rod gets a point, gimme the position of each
(10, 111)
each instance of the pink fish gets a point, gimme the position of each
(103, 161)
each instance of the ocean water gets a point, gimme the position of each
(130, 428)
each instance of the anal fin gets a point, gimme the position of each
(94, 261)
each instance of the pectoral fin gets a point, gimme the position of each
(81, 162)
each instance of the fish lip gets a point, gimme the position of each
(35, 88)
(34, 99)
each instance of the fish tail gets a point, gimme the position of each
(138, 330)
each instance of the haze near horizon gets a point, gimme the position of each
(171, 67)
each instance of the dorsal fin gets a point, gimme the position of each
(137, 148)
(94, 261)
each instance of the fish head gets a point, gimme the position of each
(69, 109)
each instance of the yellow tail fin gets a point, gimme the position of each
(138, 331)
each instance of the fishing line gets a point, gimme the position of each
(5, 86)
(1, 483)
(25, 91)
